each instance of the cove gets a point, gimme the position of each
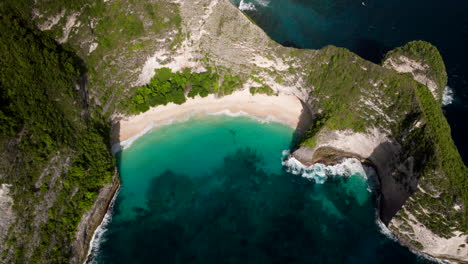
(213, 190)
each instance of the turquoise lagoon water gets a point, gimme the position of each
(213, 190)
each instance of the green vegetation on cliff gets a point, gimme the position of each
(354, 94)
(166, 87)
(46, 120)
(445, 160)
(344, 87)
(264, 89)
(425, 53)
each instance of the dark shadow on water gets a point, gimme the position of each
(370, 49)
(290, 44)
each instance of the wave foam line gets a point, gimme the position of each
(98, 236)
(259, 119)
(128, 142)
(246, 6)
(320, 172)
(264, 3)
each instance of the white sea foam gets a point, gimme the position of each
(320, 172)
(383, 228)
(98, 235)
(246, 6)
(447, 97)
(262, 120)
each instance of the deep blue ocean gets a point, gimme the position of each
(214, 190)
(370, 28)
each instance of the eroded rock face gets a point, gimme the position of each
(91, 220)
(400, 189)
(414, 234)
(406, 65)
(423, 61)
(7, 215)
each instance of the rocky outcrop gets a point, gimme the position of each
(91, 220)
(7, 215)
(374, 148)
(415, 235)
(423, 61)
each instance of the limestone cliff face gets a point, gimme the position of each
(423, 61)
(6, 211)
(359, 109)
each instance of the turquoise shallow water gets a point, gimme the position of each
(196, 148)
(213, 190)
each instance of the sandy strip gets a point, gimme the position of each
(285, 109)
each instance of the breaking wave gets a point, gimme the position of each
(447, 97)
(249, 6)
(320, 172)
(246, 6)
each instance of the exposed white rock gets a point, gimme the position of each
(242, 47)
(362, 144)
(433, 244)
(263, 62)
(404, 64)
(93, 47)
(71, 21)
(51, 21)
(6, 210)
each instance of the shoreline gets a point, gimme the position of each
(96, 238)
(286, 109)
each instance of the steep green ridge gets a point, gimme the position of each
(443, 172)
(54, 146)
(123, 31)
(343, 81)
(342, 87)
(426, 54)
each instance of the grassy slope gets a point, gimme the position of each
(44, 116)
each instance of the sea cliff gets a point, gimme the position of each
(387, 115)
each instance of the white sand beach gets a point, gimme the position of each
(283, 108)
